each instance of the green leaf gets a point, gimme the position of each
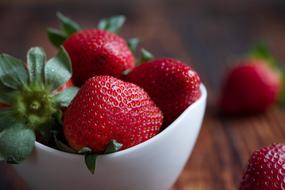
(62, 146)
(6, 94)
(145, 56)
(112, 24)
(12, 72)
(7, 118)
(133, 44)
(56, 37)
(261, 51)
(64, 98)
(58, 70)
(85, 150)
(112, 147)
(68, 25)
(16, 143)
(90, 161)
(36, 59)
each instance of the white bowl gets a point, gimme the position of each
(152, 165)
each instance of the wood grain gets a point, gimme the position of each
(208, 35)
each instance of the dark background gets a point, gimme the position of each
(207, 34)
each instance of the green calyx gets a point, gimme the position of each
(69, 27)
(261, 51)
(34, 103)
(91, 157)
(112, 24)
(142, 56)
(16, 143)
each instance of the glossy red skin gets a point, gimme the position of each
(107, 108)
(171, 84)
(97, 52)
(251, 86)
(265, 169)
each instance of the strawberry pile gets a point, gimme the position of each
(93, 98)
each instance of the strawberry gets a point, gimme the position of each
(171, 84)
(107, 109)
(98, 52)
(94, 51)
(250, 86)
(265, 169)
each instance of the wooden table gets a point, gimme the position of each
(209, 35)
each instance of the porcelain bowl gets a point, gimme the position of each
(152, 165)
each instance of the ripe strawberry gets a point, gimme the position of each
(97, 52)
(250, 86)
(106, 109)
(94, 51)
(171, 84)
(265, 169)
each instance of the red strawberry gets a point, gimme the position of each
(171, 84)
(265, 170)
(97, 52)
(93, 51)
(250, 86)
(106, 109)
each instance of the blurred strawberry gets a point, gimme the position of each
(171, 84)
(265, 170)
(252, 85)
(94, 51)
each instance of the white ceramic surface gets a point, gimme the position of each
(152, 165)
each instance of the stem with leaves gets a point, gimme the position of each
(33, 102)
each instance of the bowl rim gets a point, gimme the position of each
(138, 146)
